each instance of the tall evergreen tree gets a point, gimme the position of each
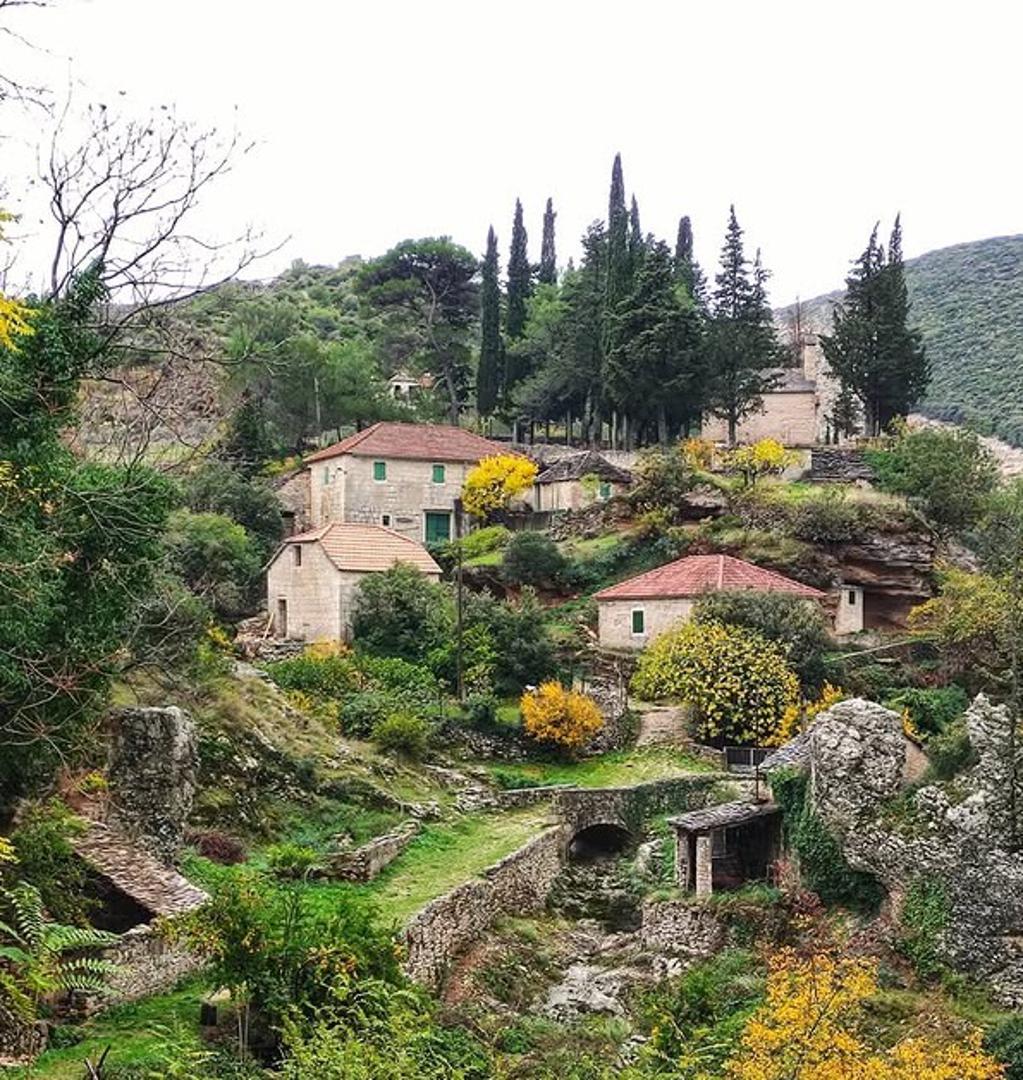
(743, 348)
(491, 366)
(872, 351)
(548, 272)
(654, 367)
(618, 262)
(636, 244)
(687, 269)
(519, 276)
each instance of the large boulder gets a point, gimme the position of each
(857, 759)
(153, 772)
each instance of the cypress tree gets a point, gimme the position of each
(636, 245)
(743, 348)
(617, 237)
(687, 269)
(548, 272)
(873, 352)
(488, 376)
(519, 276)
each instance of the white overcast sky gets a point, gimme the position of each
(389, 119)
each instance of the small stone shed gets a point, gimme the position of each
(312, 578)
(633, 612)
(579, 480)
(723, 847)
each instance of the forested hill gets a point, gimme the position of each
(968, 301)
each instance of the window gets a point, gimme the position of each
(605, 491)
(437, 527)
(297, 550)
(638, 621)
(385, 520)
(379, 470)
(850, 597)
(438, 474)
(326, 475)
(281, 621)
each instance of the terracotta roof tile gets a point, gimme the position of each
(698, 574)
(351, 546)
(419, 442)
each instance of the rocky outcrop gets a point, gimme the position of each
(153, 772)
(955, 837)
(900, 563)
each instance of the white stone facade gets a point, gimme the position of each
(573, 494)
(790, 418)
(345, 488)
(849, 611)
(616, 620)
(310, 592)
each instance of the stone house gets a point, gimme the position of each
(405, 477)
(579, 480)
(312, 577)
(634, 612)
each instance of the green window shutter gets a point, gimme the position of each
(438, 474)
(605, 491)
(379, 470)
(639, 621)
(438, 527)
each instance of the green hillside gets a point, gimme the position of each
(968, 300)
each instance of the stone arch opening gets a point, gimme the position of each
(599, 841)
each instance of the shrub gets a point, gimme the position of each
(661, 480)
(495, 481)
(217, 487)
(404, 734)
(42, 846)
(523, 649)
(217, 846)
(532, 558)
(414, 684)
(1005, 1042)
(931, 709)
(563, 718)
(483, 541)
(828, 518)
(289, 860)
(947, 472)
(797, 625)
(738, 683)
(330, 675)
(360, 712)
(951, 752)
(401, 613)
(923, 917)
(766, 457)
(481, 710)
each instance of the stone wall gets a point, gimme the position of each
(791, 418)
(839, 465)
(365, 862)
(448, 925)
(20, 1043)
(680, 928)
(147, 964)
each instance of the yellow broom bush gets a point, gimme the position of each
(564, 718)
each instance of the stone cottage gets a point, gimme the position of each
(632, 613)
(579, 480)
(312, 577)
(405, 477)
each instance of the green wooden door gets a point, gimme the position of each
(438, 526)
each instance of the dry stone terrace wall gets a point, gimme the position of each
(146, 964)
(448, 925)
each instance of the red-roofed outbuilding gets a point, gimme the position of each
(634, 612)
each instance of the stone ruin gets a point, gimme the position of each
(153, 771)
(954, 833)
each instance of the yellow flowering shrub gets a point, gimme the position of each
(14, 315)
(807, 1030)
(698, 453)
(765, 457)
(495, 481)
(798, 715)
(7, 851)
(738, 683)
(564, 718)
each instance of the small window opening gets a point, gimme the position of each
(379, 470)
(851, 597)
(385, 520)
(297, 549)
(639, 621)
(438, 474)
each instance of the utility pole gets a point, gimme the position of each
(459, 603)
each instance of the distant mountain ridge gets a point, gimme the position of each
(968, 302)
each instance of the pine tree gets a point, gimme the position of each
(548, 271)
(743, 349)
(248, 442)
(519, 277)
(653, 370)
(488, 376)
(872, 351)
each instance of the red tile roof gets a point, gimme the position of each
(351, 546)
(698, 574)
(420, 442)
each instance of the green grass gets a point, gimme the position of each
(488, 558)
(619, 768)
(134, 1031)
(595, 545)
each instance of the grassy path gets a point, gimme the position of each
(621, 768)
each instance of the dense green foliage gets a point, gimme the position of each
(947, 473)
(822, 864)
(532, 558)
(923, 917)
(489, 372)
(798, 626)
